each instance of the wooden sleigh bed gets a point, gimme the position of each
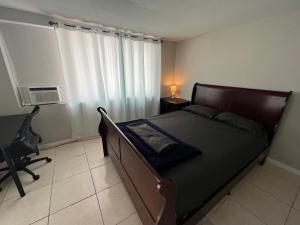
(154, 196)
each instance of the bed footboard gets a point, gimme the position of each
(153, 196)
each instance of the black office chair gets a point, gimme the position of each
(26, 135)
(23, 146)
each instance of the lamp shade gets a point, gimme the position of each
(173, 89)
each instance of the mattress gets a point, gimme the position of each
(225, 151)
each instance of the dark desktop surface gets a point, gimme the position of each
(9, 126)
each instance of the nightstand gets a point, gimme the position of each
(169, 104)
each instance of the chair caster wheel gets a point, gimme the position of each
(36, 177)
(48, 160)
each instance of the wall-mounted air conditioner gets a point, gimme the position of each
(41, 95)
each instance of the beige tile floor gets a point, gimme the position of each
(81, 187)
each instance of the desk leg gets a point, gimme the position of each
(13, 172)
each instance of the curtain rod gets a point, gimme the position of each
(52, 23)
(25, 23)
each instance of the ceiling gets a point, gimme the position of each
(170, 19)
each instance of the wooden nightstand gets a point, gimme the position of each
(169, 104)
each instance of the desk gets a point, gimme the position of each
(9, 126)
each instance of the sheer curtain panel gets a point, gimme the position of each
(142, 77)
(115, 72)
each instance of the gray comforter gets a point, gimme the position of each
(225, 151)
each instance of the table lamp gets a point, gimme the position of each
(173, 89)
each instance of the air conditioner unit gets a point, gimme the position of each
(41, 95)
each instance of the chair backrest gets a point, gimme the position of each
(24, 137)
(25, 129)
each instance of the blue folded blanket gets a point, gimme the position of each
(177, 151)
(157, 141)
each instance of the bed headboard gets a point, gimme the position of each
(263, 106)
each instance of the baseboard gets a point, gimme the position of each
(55, 144)
(283, 166)
(65, 141)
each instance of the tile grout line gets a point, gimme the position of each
(98, 200)
(6, 190)
(291, 208)
(6, 187)
(90, 169)
(135, 212)
(67, 178)
(64, 180)
(53, 182)
(81, 154)
(297, 195)
(61, 160)
(43, 186)
(269, 172)
(286, 204)
(96, 195)
(250, 211)
(17, 196)
(109, 187)
(245, 207)
(50, 194)
(74, 203)
(40, 220)
(54, 162)
(265, 191)
(68, 158)
(81, 199)
(224, 199)
(106, 163)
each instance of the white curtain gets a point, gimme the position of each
(142, 77)
(120, 74)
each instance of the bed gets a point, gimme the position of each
(186, 192)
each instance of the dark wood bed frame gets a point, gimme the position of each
(154, 196)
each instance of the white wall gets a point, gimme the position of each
(34, 52)
(36, 61)
(263, 54)
(7, 96)
(168, 55)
